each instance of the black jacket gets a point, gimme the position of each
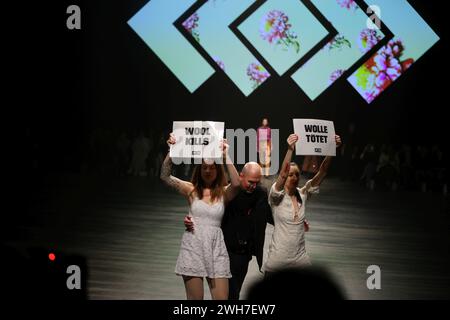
(244, 223)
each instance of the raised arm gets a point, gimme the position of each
(183, 187)
(233, 188)
(324, 166)
(292, 139)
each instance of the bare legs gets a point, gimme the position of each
(264, 157)
(218, 288)
(194, 288)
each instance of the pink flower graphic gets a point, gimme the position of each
(275, 28)
(257, 74)
(387, 67)
(372, 94)
(348, 4)
(395, 48)
(191, 25)
(336, 75)
(368, 38)
(382, 69)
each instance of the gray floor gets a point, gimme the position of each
(130, 229)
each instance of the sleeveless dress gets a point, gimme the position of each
(203, 252)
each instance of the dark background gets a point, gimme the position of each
(62, 85)
(73, 81)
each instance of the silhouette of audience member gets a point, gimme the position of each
(289, 284)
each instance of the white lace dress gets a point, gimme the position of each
(203, 252)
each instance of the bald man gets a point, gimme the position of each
(244, 226)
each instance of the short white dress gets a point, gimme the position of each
(203, 252)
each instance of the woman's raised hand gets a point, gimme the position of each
(224, 146)
(171, 140)
(292, 140)
(338, 141)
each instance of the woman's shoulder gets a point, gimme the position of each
(274, 191)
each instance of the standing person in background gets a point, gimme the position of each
(140, 151)
(123, 154)
(264, 145)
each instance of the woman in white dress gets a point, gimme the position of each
(203, 253)
(287, 247)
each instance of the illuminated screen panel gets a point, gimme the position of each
(353, 41)
(413, 37)
(283, 32)
(209, 25)
(154, 24)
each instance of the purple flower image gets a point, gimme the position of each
(394, 48)
(257, 74)
(336, 75)
(372, 94)
(219, 63)
(368, 38)
(191, 25)
(275, 28)
(347, 4)
(387, 67)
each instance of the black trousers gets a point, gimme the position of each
(239, 267)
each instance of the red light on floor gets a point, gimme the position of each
(52, 257)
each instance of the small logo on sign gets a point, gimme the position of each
(318, 150)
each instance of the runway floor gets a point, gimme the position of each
(130, 228)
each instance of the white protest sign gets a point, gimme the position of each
(316, 137)
(197, 139)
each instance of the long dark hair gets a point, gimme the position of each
(217, 187)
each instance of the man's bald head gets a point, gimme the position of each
(251, 168)
(250, 176)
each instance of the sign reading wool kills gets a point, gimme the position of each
(197, 140)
